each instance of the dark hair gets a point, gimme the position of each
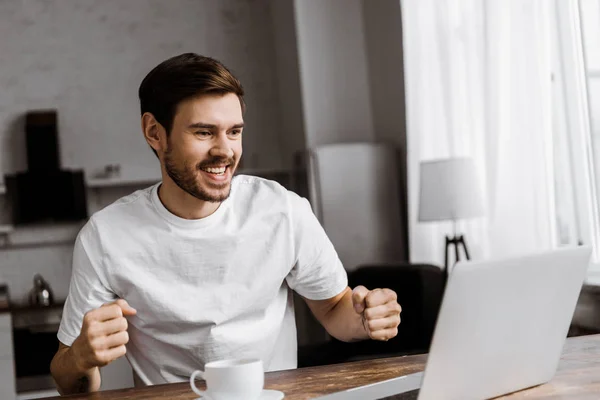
(180, 78)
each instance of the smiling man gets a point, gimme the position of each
(200, 267)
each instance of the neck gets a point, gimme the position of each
(183, 204)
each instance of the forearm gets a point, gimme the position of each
(70, 378)
(343, 322)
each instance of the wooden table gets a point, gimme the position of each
(578, 377)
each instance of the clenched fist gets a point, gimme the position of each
(103, 335)
(379, 310)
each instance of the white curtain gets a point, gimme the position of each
(478, 84)
(577, 176)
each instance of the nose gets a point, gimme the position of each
(221, 147)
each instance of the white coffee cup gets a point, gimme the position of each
(231, 379)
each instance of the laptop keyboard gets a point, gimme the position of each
(411, 395)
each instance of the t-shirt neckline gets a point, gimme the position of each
(188, 223)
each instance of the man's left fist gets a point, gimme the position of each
(379, 310)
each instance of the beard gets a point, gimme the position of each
(186, 178)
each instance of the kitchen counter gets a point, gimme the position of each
(37, 317)
(26, 308)
(7, 306)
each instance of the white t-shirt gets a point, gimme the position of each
(206, 289)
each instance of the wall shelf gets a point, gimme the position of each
(38, 235)
(150, 180)
(119, 181)
(122, 175)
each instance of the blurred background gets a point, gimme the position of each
(422, 131)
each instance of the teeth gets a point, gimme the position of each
(218, 171)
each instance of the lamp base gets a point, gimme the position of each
(457, 240)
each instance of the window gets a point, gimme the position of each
(576, 123)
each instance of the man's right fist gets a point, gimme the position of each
(103, 335)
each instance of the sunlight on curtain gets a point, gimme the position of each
(584, 58)
(478, 84)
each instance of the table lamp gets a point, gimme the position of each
(450, 191)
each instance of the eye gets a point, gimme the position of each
(236, 132)
(203, 133)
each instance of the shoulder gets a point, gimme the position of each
(121, 211)
(247, 187)
(259, 193)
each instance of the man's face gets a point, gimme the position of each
(205, 145)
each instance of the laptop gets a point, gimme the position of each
(501, 328)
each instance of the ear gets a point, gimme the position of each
(154, 133)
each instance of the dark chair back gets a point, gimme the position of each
(420, 289)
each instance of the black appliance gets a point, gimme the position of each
(35, 343)
(45, 193)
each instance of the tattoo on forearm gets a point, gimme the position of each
(83, 384)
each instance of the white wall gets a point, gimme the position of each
(292, 135)
(87, 58)
(383, 36)
(333, 70)
(339, 69)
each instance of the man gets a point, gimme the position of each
(200, 267)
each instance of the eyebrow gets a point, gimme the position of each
(212, 126)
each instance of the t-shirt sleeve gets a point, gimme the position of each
(318, 273)
(87, 290)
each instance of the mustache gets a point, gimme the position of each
(215, 161)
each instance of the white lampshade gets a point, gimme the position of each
(450, 190)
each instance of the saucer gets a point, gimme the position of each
(271, 395)
(265, 395)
